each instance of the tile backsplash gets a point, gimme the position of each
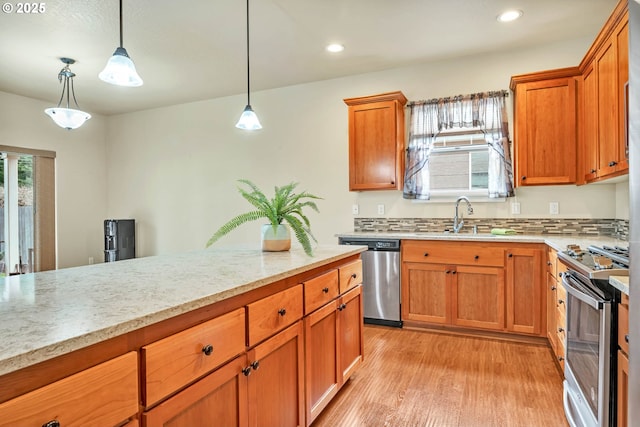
(618, 228)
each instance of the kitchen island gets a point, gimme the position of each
(59, 324)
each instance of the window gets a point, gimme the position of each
(459, 163)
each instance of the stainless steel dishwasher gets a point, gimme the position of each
(380, 280)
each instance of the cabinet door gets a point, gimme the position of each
(524, 296)
(425, 294)
(546, 132)
(350, 329)
(321, 358)
(275, 386)
(477, 297)
(623, 389)
(607, 70)
(551, 312)
(622, 40)
(376, 142)
(219, 399)
(589, 154)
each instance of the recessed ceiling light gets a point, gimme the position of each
(335, 48)
(509, 15)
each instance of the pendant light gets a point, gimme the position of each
(120, 70)
(248, 119)
(66, 117)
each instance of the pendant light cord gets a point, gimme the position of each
(248, 79)
(120, 23)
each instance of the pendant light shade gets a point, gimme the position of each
(65, 117)
(120, 69)
(248, 119)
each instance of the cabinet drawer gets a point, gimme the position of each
(561, 354)
(552, 259)
(623, 323)
(274, 313)
(177, 360)
(459, 253)
(561, 295)
(350, 275)
(104, 395)
(320, 290)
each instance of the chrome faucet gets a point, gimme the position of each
(458, 222)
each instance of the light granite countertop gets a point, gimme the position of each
(621, 283)
(48, 314)
(557, 242)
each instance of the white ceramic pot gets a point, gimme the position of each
(276, 241)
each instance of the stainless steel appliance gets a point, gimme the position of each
(591, 333)
(380, 280)
(119, 239)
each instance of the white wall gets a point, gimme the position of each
(80, 172)
(174, 169)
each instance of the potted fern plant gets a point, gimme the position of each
(284, 210)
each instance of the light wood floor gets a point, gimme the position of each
(417, 378)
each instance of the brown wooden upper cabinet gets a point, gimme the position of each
(545, 111)
(605, 71)
(376, 142)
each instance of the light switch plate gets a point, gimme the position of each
(515, 208)
(553, 208)
(381, 209)
(355, 209)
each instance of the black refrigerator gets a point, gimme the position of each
(119, 239)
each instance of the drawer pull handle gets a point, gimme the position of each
(560, 301)
(626, 338)
(282, 312)
(560, 330)
(255, 365)
(611, 164)
(325, 290)
(207, 350)
(354, 275)
(553, 288)
(52, 423)
(426, 254)
(246, 371)
(342, 306)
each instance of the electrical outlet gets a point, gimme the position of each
(355, 209)
(380, 209)
(90, 260)
(515, 208)
(553, 208)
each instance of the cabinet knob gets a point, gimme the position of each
(560, 330)
(553, 288)
(426, 254)
(354, 275)
(447, 271)
(523, 178)
(52, 423)
(207, 350)
(510, 256)
(393, 183)
(626, 338)
(342, 306)
(325, 290)
(454, 272)
(282, 312)
(476, 257)
(560, 301)
(613, 163)
(246, 371)
(255, 365)
(548, 262)
(560, 358)
(593, 171)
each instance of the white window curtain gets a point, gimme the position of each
(482, 110)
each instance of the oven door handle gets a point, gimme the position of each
(573, 286)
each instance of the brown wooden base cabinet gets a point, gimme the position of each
(334, 348)
(496, 287)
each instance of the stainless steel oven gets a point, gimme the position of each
(588, 361)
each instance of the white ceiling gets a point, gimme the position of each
(195, 49)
